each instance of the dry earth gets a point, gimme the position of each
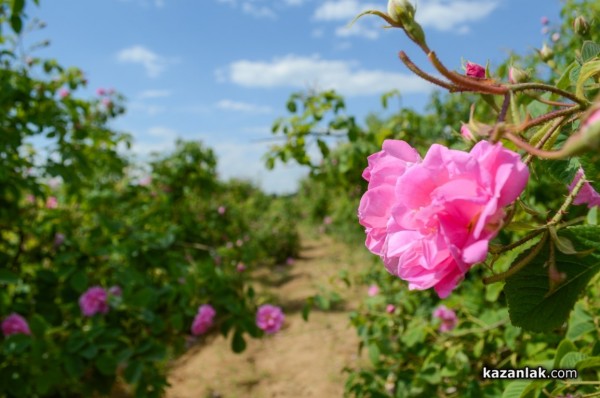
(305, 359)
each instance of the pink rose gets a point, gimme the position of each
(63, 93)
(431, 220)
(93, 301)
(373, 290)
(221, 210)
(447, 316)
(51, 202)
(587, 194)
(203, 320)
(15, 324)
(475, 70)
(290, 261)
(115, 291)
(544, 20)
(390, 308)
(241, 267)
(101, 92)
(269, 318)
(466, 133)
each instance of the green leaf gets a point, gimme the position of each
(588, 363)
(16, 23)
(590, 162)
(516, 389)
(562, 171)
(563, 349)
(570, 360)
(589, 50)
(588, 70)
(374, 353)
(74, 366)
(580, 323)
(564, 81)
(133, 372)
(8, 277)
(323, 148)
(532, 305)
(79, 280)
(106, 364)
(238, 344)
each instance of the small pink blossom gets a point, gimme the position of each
(221, 210)
(15, 324)
(431, 220)
(587, 194)
(475, 70)
(63, 93)
(447, 316)
(327, 220)
(145, 181)
(94, 301)
(373, 290)
(239, 243)
(107, 102)
(51, 202)
(59, 239)
(229, 245)
(390, 308)
(115, 291)
(30, 199)
(240, 267)
(555, 37)
(544, 20)
(269, 318)
(290, 261)
(101, 92)
(203, 320)
(466, 133)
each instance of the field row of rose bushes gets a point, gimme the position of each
(111, 268)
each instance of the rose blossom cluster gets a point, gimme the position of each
(447, 317)
(269, 318)
(431, 219)
(203, 320)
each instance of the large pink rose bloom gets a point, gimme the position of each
(94, 301)
(269, 318)
(15, 324)
(203, 320)
(431, 220)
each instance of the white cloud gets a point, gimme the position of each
(342, 10)
(153, 63)
(453, 15)
(162, 132)
(149, 94)
(229, 105)
(258, 11)
(358, 30)
(150, 110)
(294, 71)
(156, 3)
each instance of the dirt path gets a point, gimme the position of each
(305, 359)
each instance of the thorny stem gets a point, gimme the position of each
(533, 150)
(424, 75)
(553, 129)
(555, 103)
(517, 243)
(547, 117)
(545, 87)
(518, 266)
(563, 209)
(505, 104)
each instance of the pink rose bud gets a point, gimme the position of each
(290, 261)
(269, 318)
(431, 220)
(51, 202)
(115, 291)
(466, 133)
(390, 308)
(587, 194)
(221, 210)
(30, 199)
(373, 290)
(447, 316)
(145, 181)
(15, 324)
(475, 70)
(546, 53)
(203, 320)
(544, 20)
(555, 37)
(93, 301)
(63, 93)
(240, 267)
(327, 220)
(101, 92)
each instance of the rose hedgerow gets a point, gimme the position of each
(430, 220)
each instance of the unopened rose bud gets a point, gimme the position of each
(466, 133)
(401, 11)
(516, 75)
(545, 20)
(581, 26)
(475, 70)
(546, 53)
(555, 37)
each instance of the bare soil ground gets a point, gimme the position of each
(305, 359)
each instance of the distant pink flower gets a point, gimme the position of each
(240, 267)
(51, 202)
(587, 194)
(373, 290)
(203, 320)
(30, 199)
(239, 243)
(447, 316)
(63, 93)
(229, 245)
(327, 220)
(94, 301)
(430, 220)
(544, 20)
(545, 30)
(15, 324)
(269, 318)
(115, 291)
(466, 133)
(475, 70)
(145, 181)
(107, 102)
(290, 261)
(221, 210)
(59, 239)
(101, 92)
(390, 308)
(555, 37)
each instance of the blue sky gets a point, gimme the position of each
(221, 70)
